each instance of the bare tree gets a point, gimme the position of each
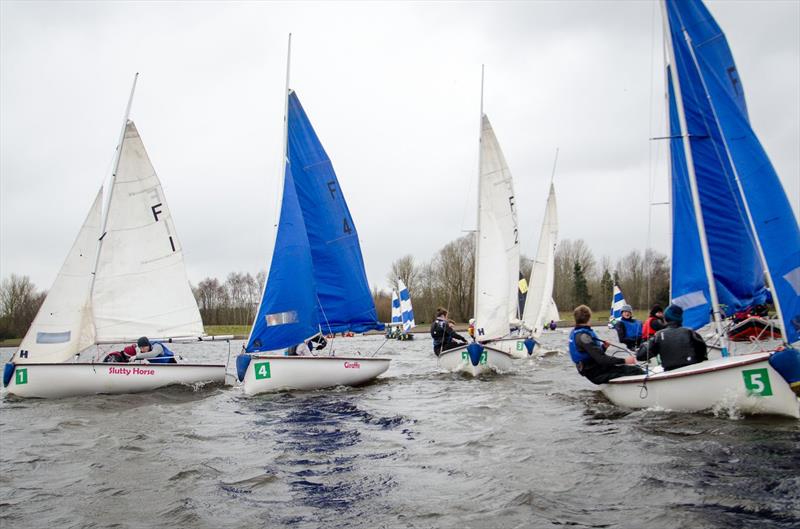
(19, 303)
(403, 268)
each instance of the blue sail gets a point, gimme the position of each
(738, 273)
(317, 281)
(713, 76)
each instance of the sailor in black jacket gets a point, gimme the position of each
(677, 346)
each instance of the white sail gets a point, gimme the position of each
(538, 302)
(497, 252)
(552, 313)
(141, 287)
(63, 325)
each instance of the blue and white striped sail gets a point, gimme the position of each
(316, 281)
(743, 201)
(617, 302)
(406, 311)
(397, 317)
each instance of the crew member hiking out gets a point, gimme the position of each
(588, 352)
(144, 349)
(444, 337)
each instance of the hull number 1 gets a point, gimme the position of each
(21, 376)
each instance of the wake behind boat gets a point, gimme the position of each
(316, 283)
(723, 188)
(123, 278)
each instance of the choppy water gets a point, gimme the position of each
(538, 447)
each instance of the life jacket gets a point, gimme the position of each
(167, 358)
(581, 356)
(633, 328)
(647, 328)
(438, 331)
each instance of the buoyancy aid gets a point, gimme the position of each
(647, 328)
(167, 358)
(633, 328)
(581, 356)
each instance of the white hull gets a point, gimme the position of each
(746, 383)
(268, 373)
(457, 361)
(73, 380)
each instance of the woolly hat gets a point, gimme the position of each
(674, 313)
(627, 308)
(143, 342)
(656, 308)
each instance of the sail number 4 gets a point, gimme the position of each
(262, 370)
(756, 381)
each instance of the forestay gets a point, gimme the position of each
(141, 287)
(539, 301)
(316, 281)
(497, 251)
(744, 204)
(63, 326)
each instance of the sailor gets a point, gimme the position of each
(471, 328)
(629, 330)
(588, 352)
(654, 323)
(315, 343)
(444, 337)
(677, 346)
(553, 325)
(144, 349)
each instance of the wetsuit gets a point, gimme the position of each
(677, 346)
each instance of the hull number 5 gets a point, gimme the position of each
(756, 381)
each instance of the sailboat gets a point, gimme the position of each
(732, 227)
(316, 283)
(617, 302)
(123, 278)
(402, 313)
(540, 309)
(496, 265)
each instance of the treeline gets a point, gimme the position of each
(232, 302)
(448, 280)
(19, 303)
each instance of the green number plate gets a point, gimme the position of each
(21, 376)
(756, 381)
(262, 370)
(520, 346)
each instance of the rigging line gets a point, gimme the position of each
(651, 167)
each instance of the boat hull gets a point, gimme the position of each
(754, 328)
(492, 360)
(746, 383)
(73, 380)
(270, 373)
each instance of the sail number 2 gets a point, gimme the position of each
(261, 370)
(756, 381)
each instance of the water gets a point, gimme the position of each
(538, 447)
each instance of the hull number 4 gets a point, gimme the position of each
(262, 370)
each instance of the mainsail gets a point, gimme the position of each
(497, 251)
(63, 326)
(316, 281)
(539, 300)
(141, 287)
(748, 219)
(406, 311)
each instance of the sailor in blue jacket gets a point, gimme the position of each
(588, 352)
(629, 330)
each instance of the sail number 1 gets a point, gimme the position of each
(756, 381)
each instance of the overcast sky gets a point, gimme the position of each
(392, 90)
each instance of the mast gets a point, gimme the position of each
(750, 220)
(698, 212)
(478, 229)
(115, 167)
(284, 159)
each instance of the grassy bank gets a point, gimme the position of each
(236, 330)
